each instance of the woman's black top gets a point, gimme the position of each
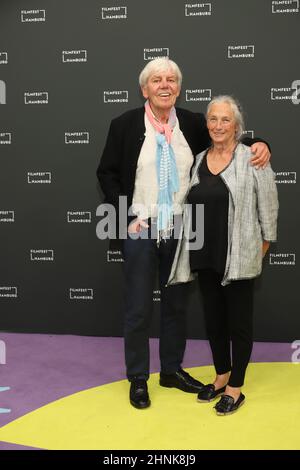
(213, 193)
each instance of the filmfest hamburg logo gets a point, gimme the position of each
(283, 259)
(3, 58)
(83, 217)
(81, 293)
(5, 138)
(285, 177)
(156, 53)
(288, 93)
(285, 6)
(241, 52)
(39, 177)
(41, 255)
(114, 256)
(29, 16)
(7, 216)
(197, 9)
(74, 56)
(36, 97)
(248, 133)
(115, 96)
(156, 295)
(114, 13)
(77, 137)
(8, 292)
(203, 94)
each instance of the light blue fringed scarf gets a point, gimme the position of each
(167, 174)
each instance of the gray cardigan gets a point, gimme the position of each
(252, 218)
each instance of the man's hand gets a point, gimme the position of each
(137, 226)
(261, 155)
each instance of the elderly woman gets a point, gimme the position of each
(240, 217)
(147, 158)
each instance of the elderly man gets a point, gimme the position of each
(148, 156)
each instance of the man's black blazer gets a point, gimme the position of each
(117, 168)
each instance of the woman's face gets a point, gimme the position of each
(162, 90)
(221, 123)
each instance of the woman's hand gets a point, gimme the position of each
(265, 248)
(137, 225)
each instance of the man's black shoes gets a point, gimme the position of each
(181, 380)
(139, 397)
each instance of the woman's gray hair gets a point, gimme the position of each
(236, 109)
(162, 64)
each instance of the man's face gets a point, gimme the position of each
(162, 90)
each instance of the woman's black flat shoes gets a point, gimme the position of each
(226, 405)
(209, 393)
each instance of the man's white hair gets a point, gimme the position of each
(162, 64)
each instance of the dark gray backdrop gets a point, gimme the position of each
(80, 55)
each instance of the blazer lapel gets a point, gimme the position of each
(137, 136)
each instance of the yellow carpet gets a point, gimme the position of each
(102, 418)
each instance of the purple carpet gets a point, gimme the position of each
(42, 368)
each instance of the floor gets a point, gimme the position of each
(41, 369)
